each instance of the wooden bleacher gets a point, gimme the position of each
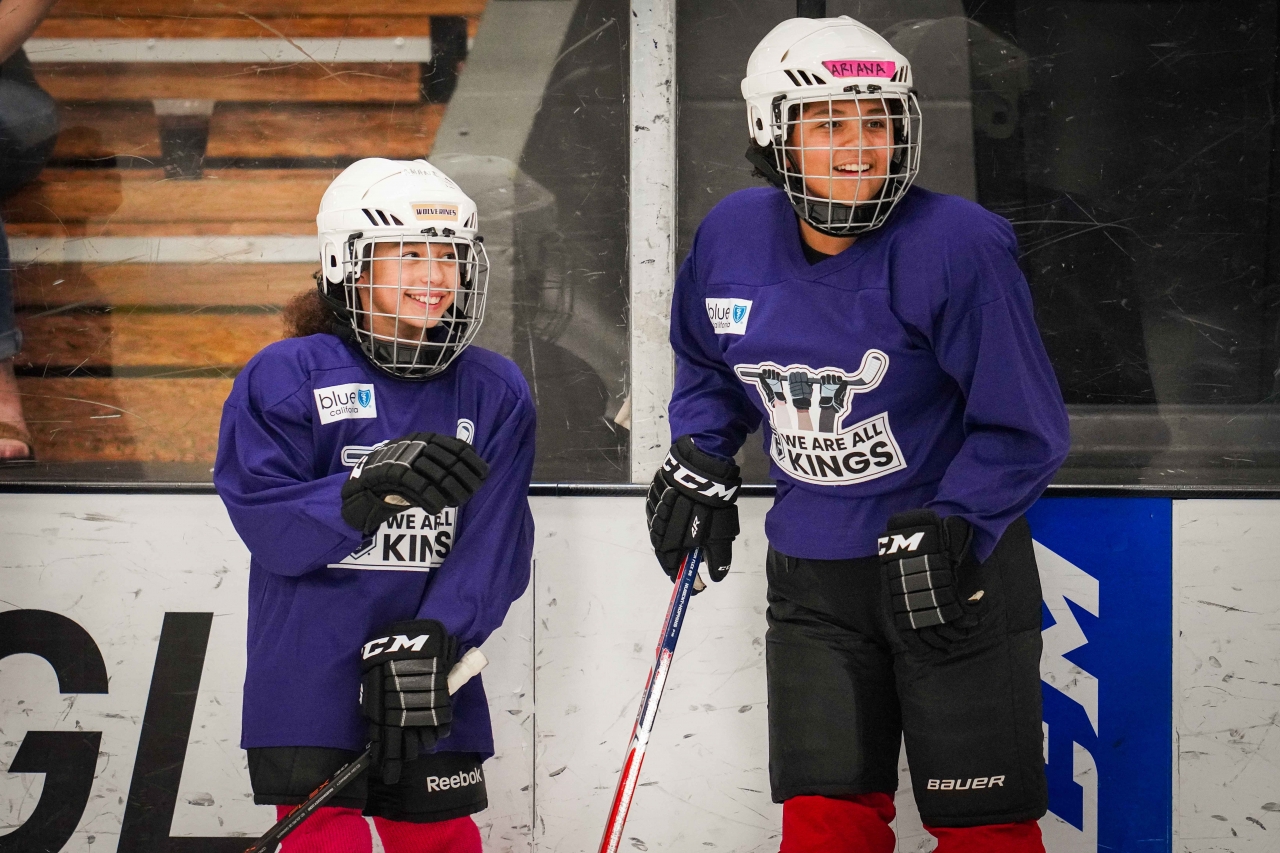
(132, 361)
(93, 131)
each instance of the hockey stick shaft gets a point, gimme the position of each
(470, 664)
(680, 595)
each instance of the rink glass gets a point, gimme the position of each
(176, 218)
(1133, 148)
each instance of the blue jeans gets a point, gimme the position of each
(28, 131)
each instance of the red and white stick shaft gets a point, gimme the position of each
(630, 777)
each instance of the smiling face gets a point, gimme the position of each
(843, 148)
(410, 285)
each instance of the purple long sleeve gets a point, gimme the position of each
(299, 417)
(905, 372)
(289, 520)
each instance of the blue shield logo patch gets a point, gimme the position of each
(739, 311)
(364, 396)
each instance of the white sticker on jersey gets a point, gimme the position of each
(341, 402)
(466, 431)
(807, 407)
(409, 541)
(729, 316)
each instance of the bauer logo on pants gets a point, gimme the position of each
(807, 407)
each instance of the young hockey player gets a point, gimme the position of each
(884, 335)
(377, 468)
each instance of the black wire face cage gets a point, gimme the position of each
(848, 145)
(415, 302)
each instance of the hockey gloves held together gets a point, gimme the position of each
(922, 555)
(404, 692)
(425, 469)
(690, 505)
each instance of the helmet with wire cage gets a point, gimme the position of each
(402, 266)
(806, 61)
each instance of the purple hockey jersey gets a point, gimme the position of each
(905, 372)
(300, 415)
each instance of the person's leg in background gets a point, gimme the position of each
(28, 131)
(15, 441)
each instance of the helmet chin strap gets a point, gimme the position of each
(762, 157)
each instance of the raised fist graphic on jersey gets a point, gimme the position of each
(830, 454)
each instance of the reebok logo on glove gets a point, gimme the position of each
(374, 647)
(695, 483)
(897, 542)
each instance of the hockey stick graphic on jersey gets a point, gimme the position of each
(686, 583)
(870, 372)
(470, 664)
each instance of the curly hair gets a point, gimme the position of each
(306, 314)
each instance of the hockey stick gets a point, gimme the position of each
(686, 583)
(470, 664)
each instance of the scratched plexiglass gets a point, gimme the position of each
(175, 216)
(1132, 146)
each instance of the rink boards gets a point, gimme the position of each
(122, 622)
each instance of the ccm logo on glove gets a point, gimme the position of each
(374, 647)
(693, 482)
(690, 505)
(895, 543)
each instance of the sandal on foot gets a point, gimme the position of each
(17, 433)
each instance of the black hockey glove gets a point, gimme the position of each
(690, 505)
(922, 555)
(404, 692)
(801, 390)
(424, 469)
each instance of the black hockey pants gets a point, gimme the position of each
(844, 689)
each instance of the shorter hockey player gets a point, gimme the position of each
(377, 467)
(885, 337)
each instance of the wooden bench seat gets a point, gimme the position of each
(262, 8)
(386, 83)
(256, 131)
(99, 131)
(114, 27)
(121, 339)
(283, 201)
(146, 420)
(40, 287)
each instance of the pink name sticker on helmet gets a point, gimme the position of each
(860, 67)
(435, 210)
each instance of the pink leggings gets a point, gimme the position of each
(861, 824)
(339, 830)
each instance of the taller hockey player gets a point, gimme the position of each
(884, 336)
(377, 467)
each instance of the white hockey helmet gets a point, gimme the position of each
(807, 60)
(376, 201)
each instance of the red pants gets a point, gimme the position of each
(339, 830)
(861, 824)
